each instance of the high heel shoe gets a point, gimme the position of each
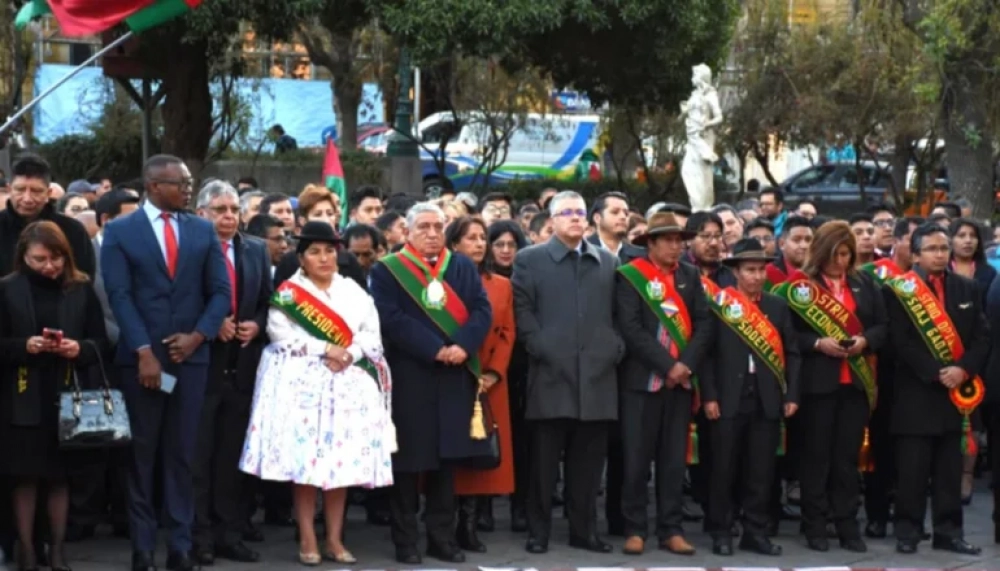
(345, 557)
(310, 559)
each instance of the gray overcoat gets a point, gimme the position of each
(564, 309)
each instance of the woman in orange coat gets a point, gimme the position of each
(468, 236)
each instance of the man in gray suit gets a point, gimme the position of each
(89, 480)
(563, 299)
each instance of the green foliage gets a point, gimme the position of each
(118, 157)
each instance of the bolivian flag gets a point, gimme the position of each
(88, 17)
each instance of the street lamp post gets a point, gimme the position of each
(403, 151)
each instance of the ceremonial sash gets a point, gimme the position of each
(822, 311)
(664, 301)
(320, 321)
(749, 322)
(938, 332)
(775, 277)
(882, 270)
(448, 314)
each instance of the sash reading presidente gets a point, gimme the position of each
(432, 294)
(753, 327)
(827, 316)
(938, 332)
(323, 323)
(669, 308)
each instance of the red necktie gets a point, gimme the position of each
(938, 283)
(232, 274)
(170, 243)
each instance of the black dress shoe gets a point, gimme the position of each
(820, 544)
(592, 543)
(408, 555)
(854, 544)
(536, 546)
(876, 530)
(906, 546)
(723, 547)
(237, 552)
(449, 553)
(180, 561)
(143, 561)
(204, 556)
(761, 545)
(955, 545)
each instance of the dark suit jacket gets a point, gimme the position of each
(626, 254)
(148, 305)
(638, 326)
(921, 405)
(725, 366)
(347, 266)
(721, 275)
(253, 295)
(820, 373)
(992, 376)
(11, 225)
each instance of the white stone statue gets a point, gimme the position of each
(702, 114)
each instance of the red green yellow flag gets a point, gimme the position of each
(88, 17)
(333, 178)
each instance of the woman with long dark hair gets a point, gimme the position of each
(838, 383)
(474, 488)
(51, 327)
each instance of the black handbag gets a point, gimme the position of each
(491, 457)
(93, 419)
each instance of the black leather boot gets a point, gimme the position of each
(484, 514)
(465, 533)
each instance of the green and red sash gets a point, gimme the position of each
(754, 328)
(938, 332)
(319, 320)
(775, 277)
(415, 277)
(882, 270)
(828, 317)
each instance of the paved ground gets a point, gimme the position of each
(374, 550)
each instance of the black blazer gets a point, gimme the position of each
(725, 366)
(626, 254)
(253, 295)
(638, 326)
(821, 373)
(921, 405)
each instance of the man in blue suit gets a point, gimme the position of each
(168, 286)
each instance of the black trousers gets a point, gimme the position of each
(97, 488)
(993, 441)
(938, 458)
(439, 508)
(220, 490)
(879, 482)
(615, 476)
(744, 445)
(585, 445)
(654, 428)
(833, 428)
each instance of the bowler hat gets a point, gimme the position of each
(747, 250)
(314, 232)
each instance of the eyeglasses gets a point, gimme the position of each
(764, 239)
(885, 223)
(505, 245)
(571, 212)
(183, 183)
(935, 249)
(225, 209)
(710, 237)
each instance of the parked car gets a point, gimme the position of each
(834, 187)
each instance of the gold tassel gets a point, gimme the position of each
(477, 428)
(866, 460)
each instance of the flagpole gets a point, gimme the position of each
(48, 91)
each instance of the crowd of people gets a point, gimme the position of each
(746, 360)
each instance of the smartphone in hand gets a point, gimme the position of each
(167, 383)
(846, 343)
(53, 335)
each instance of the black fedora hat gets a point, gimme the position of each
(659, 224)
(747, 250)
(314, 232)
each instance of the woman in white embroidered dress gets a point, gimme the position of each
(320, 418)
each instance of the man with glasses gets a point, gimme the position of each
(564, 299)
(864, 234)
(29, 202)
(763, 231)
(926, 424)
(269, 229)
(884, 219)
(496, 206)
(772, 207)
(168, 286)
